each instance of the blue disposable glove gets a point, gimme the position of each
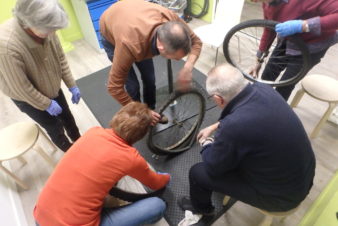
(76, 94)
(289, 28)
(165, 174)
(54, 108)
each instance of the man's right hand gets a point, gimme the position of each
(156, 118)
(206, 132)
(54, 108)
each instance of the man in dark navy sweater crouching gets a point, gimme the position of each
(261, 154)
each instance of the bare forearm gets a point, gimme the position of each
(191, 60)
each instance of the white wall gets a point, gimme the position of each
(11, 211)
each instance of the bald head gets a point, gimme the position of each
(174, 35)
(226, 81)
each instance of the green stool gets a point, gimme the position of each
(324, 211)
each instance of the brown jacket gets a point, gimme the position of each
(130, 26)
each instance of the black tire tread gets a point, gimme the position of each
(132, 196)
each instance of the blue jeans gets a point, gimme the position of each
(145, 211)
(146, 68)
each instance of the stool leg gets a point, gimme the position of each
(48, 140)
(226, 200)
(297, 98)
(44, 155)
(323, 120)
(216, 56)
(282, 219)
(22, 160)
(17, 180)
(267, 221)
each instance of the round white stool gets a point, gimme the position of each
(322, 88)
(17, 139)
(268, 216)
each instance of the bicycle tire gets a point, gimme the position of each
(269, 24)
(133, 196)
(181, 143)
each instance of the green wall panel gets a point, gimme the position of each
(73, 31)
(197, 6)
(69, 34)
(6, 9)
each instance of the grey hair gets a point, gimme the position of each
(175, 36)
(43, 15)
(226, 81)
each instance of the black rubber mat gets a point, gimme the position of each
(178, 166)
(103, 106)
(94, 91)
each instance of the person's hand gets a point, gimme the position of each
(183, 82)
(156, 118)
(54, 108)
(206, 141)
(165, 174)
(76, 94)
(255, 70)
(205, 133)
(289, 28)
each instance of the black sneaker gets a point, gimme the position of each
(185, 204)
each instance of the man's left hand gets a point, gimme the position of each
(184, 77)
(76, 94)
(289, 28)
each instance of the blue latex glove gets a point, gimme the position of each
(165, 174)
(76, 94)
(54, 108)
(289, 28)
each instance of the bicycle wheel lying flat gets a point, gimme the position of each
(241, 44)
(185, 112)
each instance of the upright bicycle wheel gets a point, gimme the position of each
(242, 42)
(185, 112)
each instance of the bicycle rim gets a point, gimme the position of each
(242, 42)
(185, 112)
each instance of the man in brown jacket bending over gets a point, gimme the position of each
(134, 31)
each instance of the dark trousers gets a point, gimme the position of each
(54, 125)
(231, 184)
(292, 65)
(146, 69)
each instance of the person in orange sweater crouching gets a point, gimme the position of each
(75, 192)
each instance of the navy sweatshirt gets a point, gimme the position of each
(263, 140)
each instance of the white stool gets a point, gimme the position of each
(17, 139)
(268, 216)
(322, 88)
